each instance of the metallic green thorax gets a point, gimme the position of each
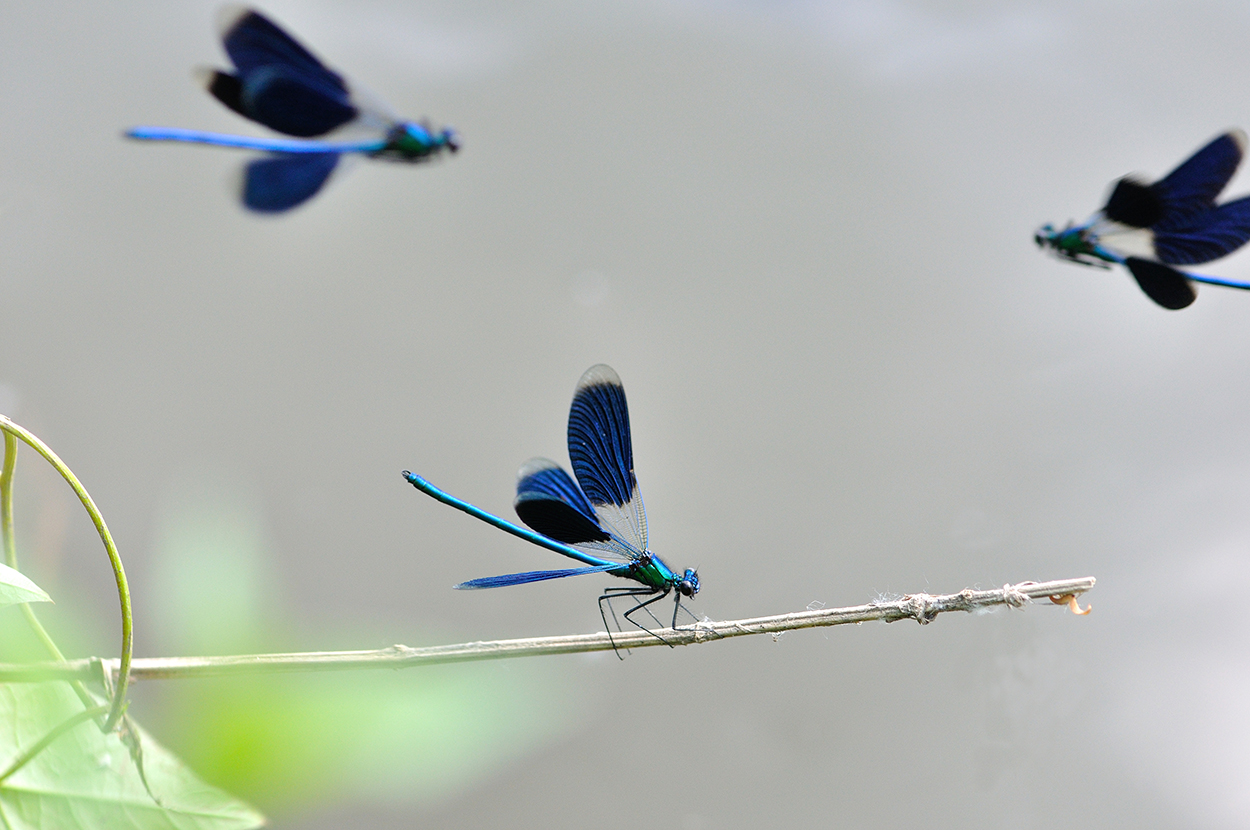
(409, 141)
(650, 570)
(1076, 243)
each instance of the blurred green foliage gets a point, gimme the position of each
(298, 741)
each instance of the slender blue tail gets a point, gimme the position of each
(271, 145)
(506, 526)
(532, 576)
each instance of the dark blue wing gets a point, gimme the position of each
(1208, 235)
(549, 501)
(1134, 204)
(1166, 286)
(280, 182)
(1195, 184)
(532, 576)
(599, 443)
(253, 40)
(279, 83)
(603, 456)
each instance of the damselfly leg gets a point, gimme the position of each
(652, 596)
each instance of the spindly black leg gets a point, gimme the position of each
(656, 598)
(644, 606)
(607, 596)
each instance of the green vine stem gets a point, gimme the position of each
(922, 608)
(10, 558)
(57, 731)
(10, 541)
(123, 589)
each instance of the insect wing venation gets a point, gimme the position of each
(550, 502)
(601, 452)
(1209, 235)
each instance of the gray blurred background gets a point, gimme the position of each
(801, 233)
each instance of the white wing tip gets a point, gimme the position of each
(600, 373)
(535, 465)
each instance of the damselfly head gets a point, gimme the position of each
(1044, 235)
(411, 141)
(689, 584)
(437, 139)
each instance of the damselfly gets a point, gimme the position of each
(1149, 228)
(280, 84)
(598, 519)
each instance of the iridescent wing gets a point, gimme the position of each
(1208, 235)
(1189, 189)
(603, 457)
(1186, 226)
(1194, 185)
(549, 501)
(1162, 283)
(277, 81)
(282, 181)
(1132, 204)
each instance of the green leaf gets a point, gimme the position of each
(15, 587)
(86, 779)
